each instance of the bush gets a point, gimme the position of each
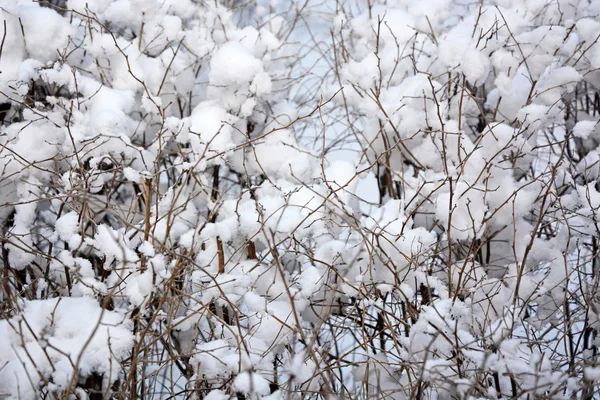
(278, 200)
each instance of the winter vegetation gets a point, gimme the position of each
(299, 199)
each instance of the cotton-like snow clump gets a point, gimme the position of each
(59, 340)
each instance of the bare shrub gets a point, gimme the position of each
(281, 200)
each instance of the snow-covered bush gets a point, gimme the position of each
(276, 200)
